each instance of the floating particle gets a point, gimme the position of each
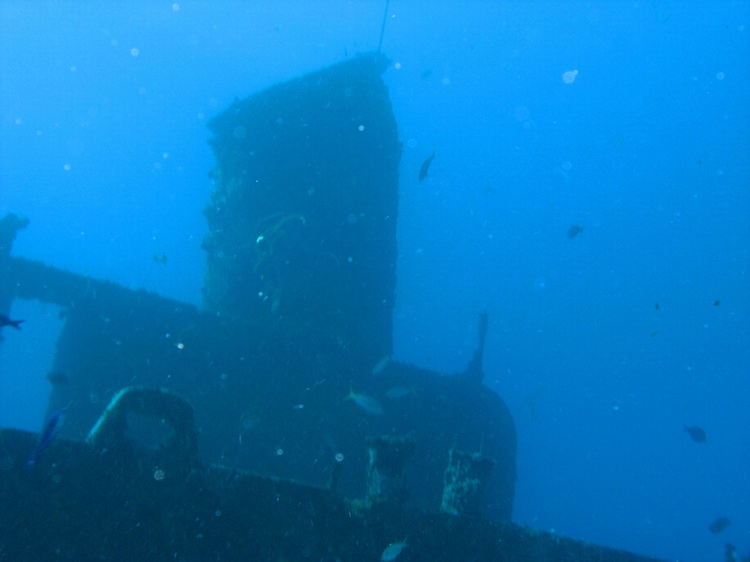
(569, 76)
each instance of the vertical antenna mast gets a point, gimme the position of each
(382, 27)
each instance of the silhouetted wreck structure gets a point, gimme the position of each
(278, 396)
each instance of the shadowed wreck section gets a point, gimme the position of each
(302, 243)
(303, 212)
(285, 371)
(287, 366)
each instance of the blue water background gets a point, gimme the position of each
(103, 111)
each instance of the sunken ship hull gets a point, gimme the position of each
(237, 431)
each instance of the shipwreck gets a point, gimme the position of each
(270, 423)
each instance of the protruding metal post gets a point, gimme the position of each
(387, 458)
(465, 482)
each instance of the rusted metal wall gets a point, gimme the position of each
(299, 295)
(83, 503)
(303, 212)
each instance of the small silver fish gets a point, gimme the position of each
(393, 550)
(381, 365)
(398, 392)
(367, 403)
(51, 427)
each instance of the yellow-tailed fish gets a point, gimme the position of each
(393, 550)
(367, 403)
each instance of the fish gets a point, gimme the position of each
(719, 524)
(398, 392)
(367, 403)
(51, 428)
(381, 365)
(574, 231)
(697, 434)
(57, 378)
(392, 551)
(5, 321)
(426, 166)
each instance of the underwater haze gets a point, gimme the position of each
(590, 190)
